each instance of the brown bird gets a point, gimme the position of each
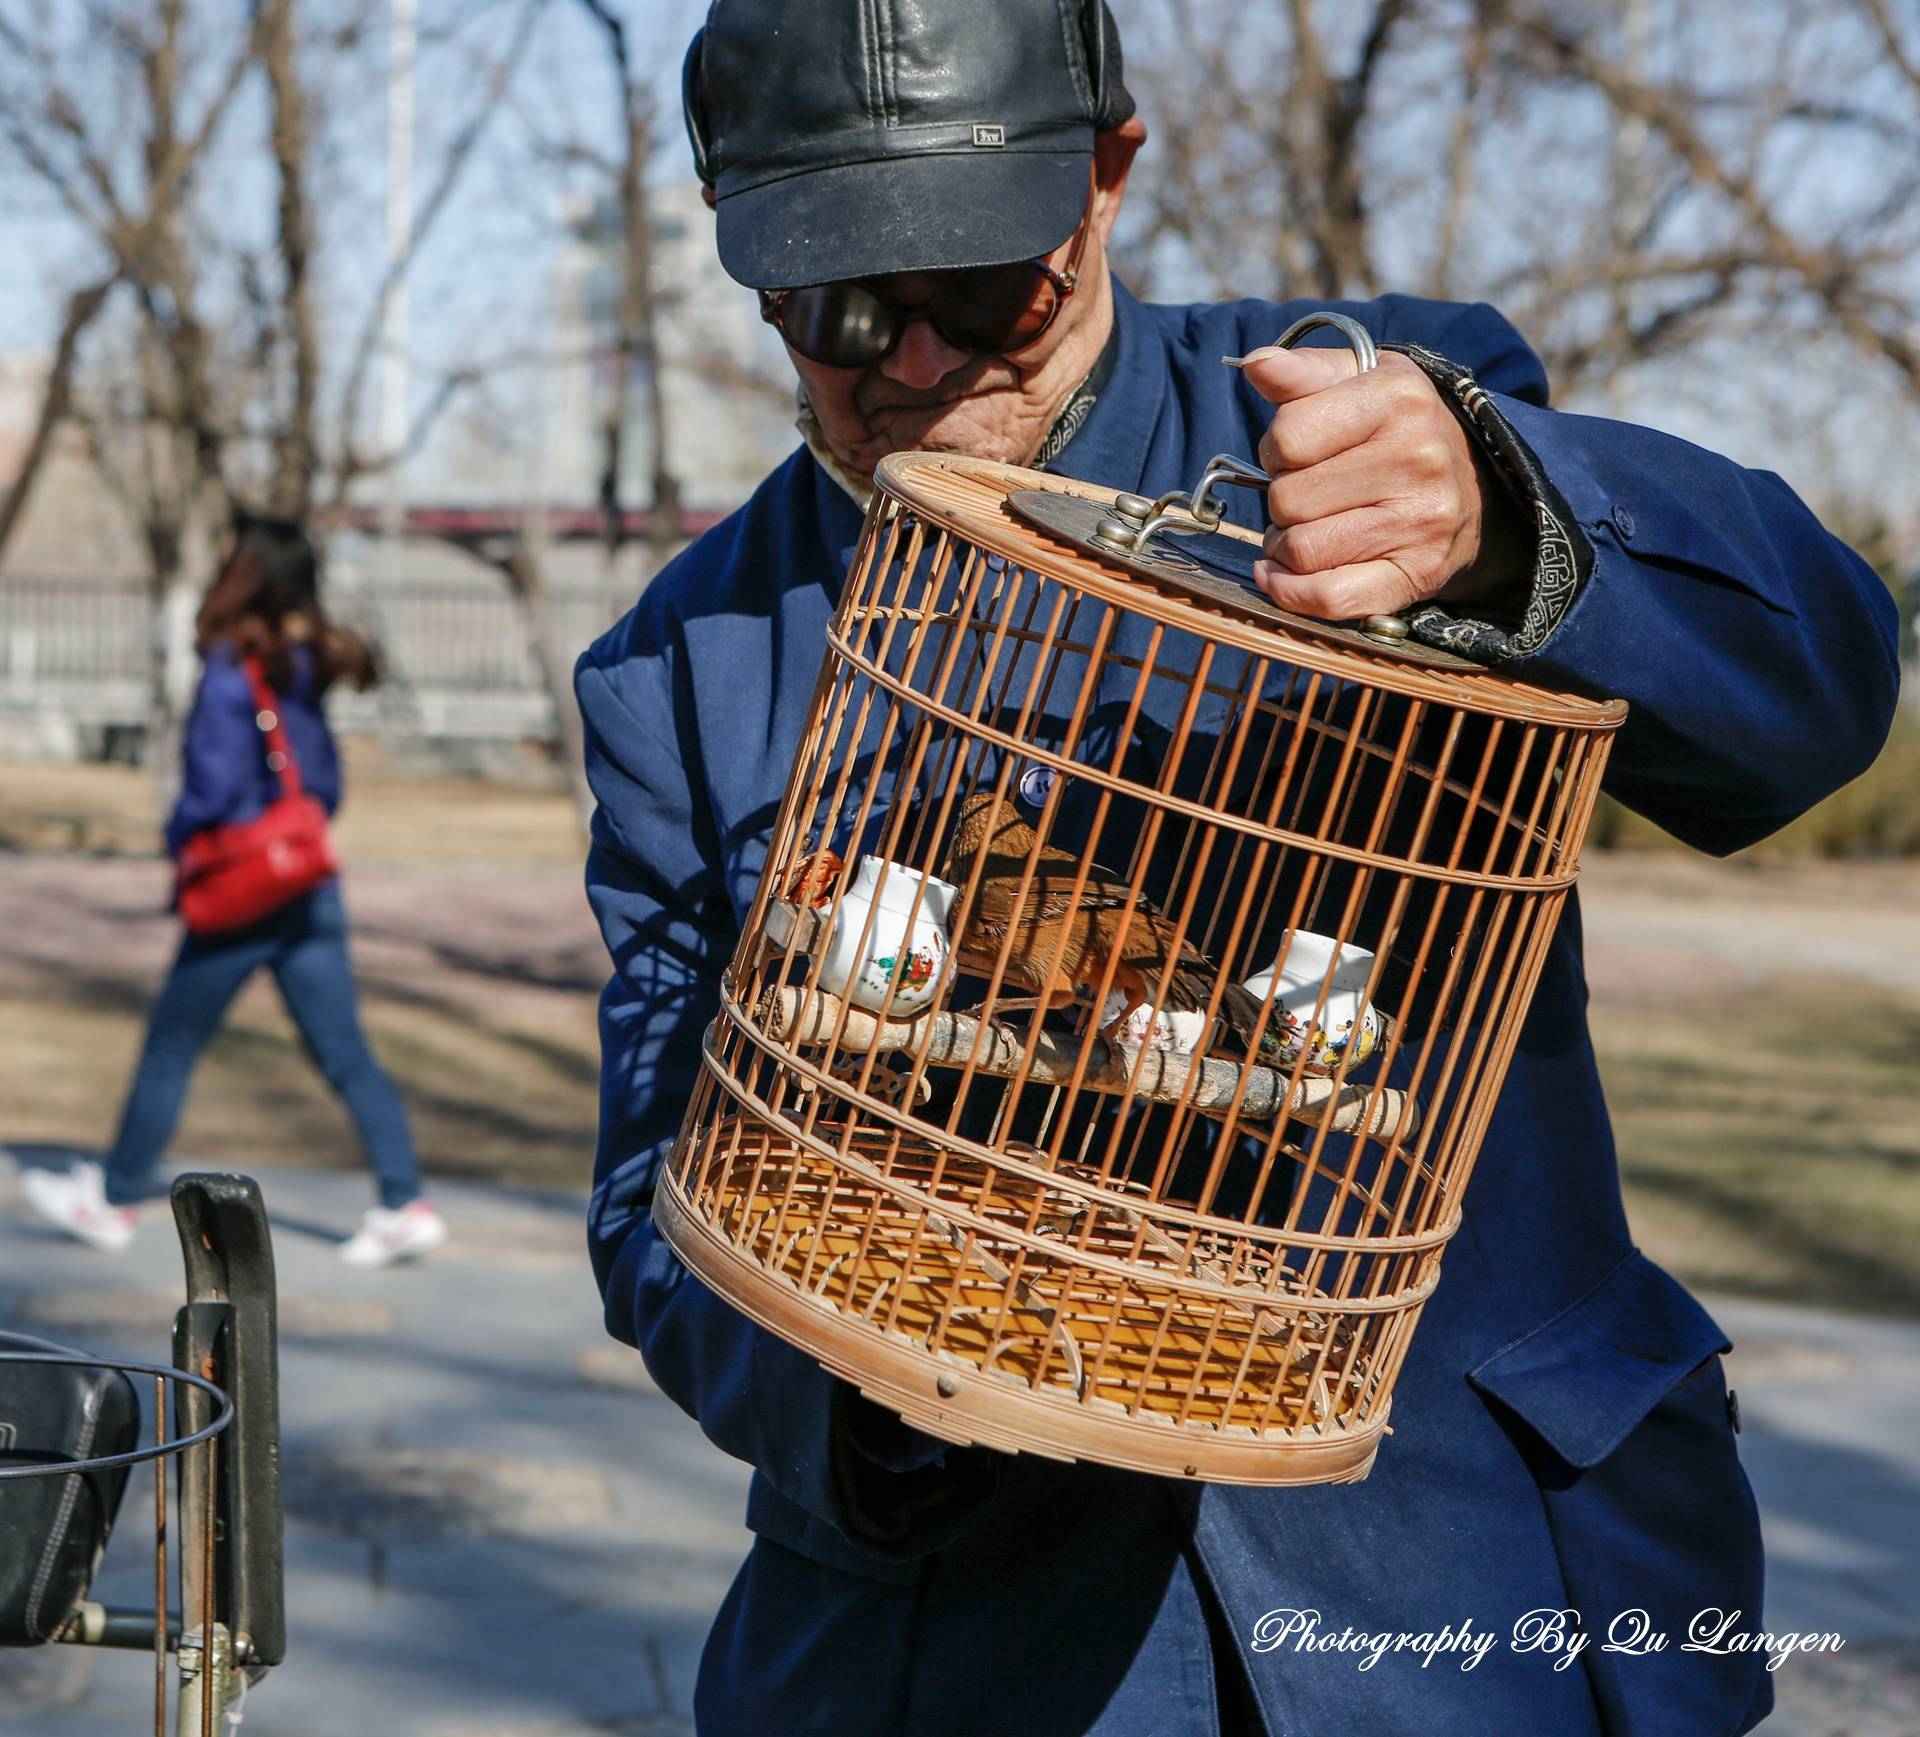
(1063, 943)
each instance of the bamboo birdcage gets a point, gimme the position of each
(1130, 982)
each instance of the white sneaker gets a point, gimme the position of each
(76, 1201)
(397, 1234)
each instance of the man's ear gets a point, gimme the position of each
(712, 199)
(1113, 154)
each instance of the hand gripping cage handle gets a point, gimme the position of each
(1134, 521)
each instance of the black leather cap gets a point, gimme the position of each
(851, 138)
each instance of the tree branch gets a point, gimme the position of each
(1460, 144)
(1826, 273)
(1896, 50)
(56, 400)
(296, 456)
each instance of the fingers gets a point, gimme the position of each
(1374, 488)
(1345, 412)
(1340, 594)
(1361, 476)
(1342, 540)
(1281, 376)
(1308, 431)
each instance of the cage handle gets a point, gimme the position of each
(1134, 520)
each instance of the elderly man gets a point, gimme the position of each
(923, 196)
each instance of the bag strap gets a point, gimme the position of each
(266, 714)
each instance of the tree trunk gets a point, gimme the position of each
(553, 660)
(174, 672)
(637, 337)
(82, 306)
(296, 448)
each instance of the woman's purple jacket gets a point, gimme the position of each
(1562, 1438)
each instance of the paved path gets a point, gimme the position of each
(1666, 921)
(1830, 1414)
(497, 1528)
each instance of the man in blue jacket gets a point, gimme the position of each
(923, 195)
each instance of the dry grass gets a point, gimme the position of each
(498, 1083)
(388, 818)
(477, 960)
(1770, 1143)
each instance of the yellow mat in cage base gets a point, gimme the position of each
(1026, 1354)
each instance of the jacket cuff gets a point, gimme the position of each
(1563, 557)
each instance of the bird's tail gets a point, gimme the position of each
(1239, 1011)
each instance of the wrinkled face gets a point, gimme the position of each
(929, 396)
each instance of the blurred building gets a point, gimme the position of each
(726, 386)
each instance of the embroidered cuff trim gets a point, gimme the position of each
(1563, 557)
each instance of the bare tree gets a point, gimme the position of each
(56, 399)
(521, 561)
(195, 364)
(123, 178)
(349, 460)
(296, 444)
(1634, 183)
(636, 331)
(610, 180)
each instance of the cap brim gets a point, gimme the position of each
(917, 213)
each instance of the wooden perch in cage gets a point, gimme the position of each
(953, 1040)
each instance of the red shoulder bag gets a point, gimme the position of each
(230, 876)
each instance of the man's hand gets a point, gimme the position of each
(1379, 501)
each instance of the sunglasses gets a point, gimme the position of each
(979, 309)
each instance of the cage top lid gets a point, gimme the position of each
(970, 498)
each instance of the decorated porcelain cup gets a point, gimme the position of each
(1346, 1020)
(1179, 1033)
(905, 948)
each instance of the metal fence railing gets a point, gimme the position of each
(458, 654)
(79, 650)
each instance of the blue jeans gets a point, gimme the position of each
(305, 946)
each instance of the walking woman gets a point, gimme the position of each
(261, 621)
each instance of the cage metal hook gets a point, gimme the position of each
(1135, 520)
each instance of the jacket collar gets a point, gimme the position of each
(1111, 447)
